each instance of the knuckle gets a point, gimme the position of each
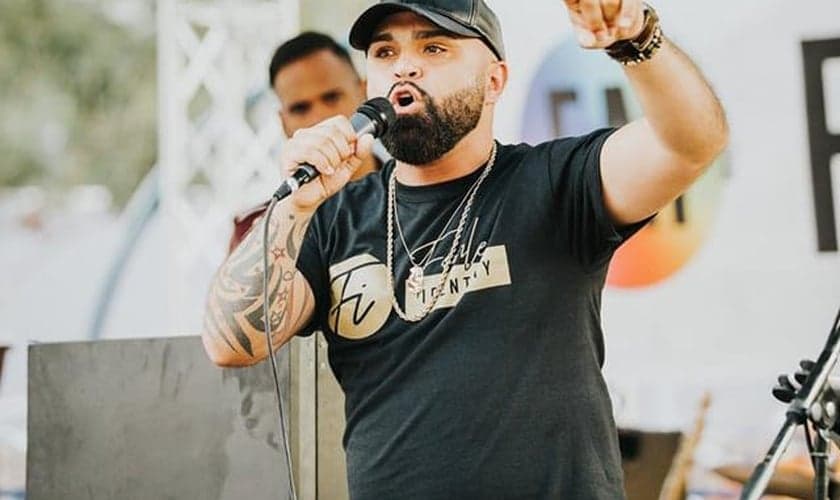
(337, 122)
(311, 155)
(318, 132)
(336, 132)
(322, 145)
(344, 125)
(321, 141)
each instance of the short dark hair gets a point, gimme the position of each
(305, 44)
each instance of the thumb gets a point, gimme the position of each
(585, 38)
(364, 149)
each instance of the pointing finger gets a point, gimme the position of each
(611, 10)
(593, 18)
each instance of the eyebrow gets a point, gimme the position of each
(298, 107)
(307, 103)
(386, 36)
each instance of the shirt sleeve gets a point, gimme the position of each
(243, 224)
(312, 264)
(574, 171)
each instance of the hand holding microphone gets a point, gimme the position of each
(328, 154)
(321, 160)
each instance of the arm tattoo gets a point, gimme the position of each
(234, 315)
(290, 243)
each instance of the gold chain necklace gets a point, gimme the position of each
(415, 278)
(415, 282)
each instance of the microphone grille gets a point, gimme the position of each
(380, 110)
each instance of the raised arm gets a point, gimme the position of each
(234, 329)
(651, 161)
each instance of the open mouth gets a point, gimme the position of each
(404, 99)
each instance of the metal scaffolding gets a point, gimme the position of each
(218, 132)
(219, 136)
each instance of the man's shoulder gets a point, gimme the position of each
(369, 185)
(360, 196)
(243, 222)
(572, 143)
(559, 151)
(528, 152)
(564, 141)
(514, 156)
(248, 215)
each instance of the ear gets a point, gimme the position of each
(497, 77)
(283, 123)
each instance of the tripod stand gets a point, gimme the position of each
(815, 402)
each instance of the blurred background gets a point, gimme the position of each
(133, 130)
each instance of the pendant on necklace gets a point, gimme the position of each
(414, 283)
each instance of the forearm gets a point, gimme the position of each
(234, 327)
(679, 106)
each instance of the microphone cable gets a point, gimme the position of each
(273, 364)
(372, 117)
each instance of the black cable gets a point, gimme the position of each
(267, 329)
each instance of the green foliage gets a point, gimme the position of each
(78, 97)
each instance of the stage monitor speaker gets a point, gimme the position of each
(152, 418)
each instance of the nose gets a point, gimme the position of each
(407, 69)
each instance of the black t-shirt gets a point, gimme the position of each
(498, 392)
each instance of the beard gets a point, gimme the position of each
(421, 138)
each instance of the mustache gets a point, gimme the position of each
(426, 95)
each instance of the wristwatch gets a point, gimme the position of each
(643, 47)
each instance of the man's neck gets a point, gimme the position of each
(468, 155)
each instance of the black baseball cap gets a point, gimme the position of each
(469, 18)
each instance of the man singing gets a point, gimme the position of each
(459, 287)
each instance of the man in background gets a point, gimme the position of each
(314, 79)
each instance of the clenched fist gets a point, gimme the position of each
(333, 148)
(600, 23)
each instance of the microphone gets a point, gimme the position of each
(373, 117)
